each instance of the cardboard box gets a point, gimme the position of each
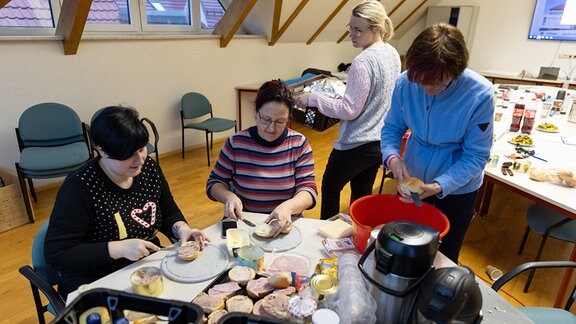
(12, 209)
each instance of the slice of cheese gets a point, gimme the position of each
(336, 229)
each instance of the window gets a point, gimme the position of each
(115, 16)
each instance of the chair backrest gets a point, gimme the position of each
(194, 105)
(49, 124)
(39, 260)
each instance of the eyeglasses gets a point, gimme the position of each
(266, 121)
(355, 31)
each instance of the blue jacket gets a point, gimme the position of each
(451, 132)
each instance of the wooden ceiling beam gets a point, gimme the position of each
(3, 3)
(73, 15)
(327, 21)
(346, 33)
(232, 20)
(412, 13)
(277, 33)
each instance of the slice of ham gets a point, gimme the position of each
(258, 288)
(224, 290)
(290, 263)
(260, 311)
(276, 305)
(288, 291)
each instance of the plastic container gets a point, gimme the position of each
(115, 302)
(371, 211)
(529, 117)
(517, 115)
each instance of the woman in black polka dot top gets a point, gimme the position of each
(107, 213)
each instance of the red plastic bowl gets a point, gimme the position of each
(371, 211)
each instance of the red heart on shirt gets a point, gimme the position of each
(135, 214)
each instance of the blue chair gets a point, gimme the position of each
(548, 223)
(42, 278)
(195, 105)
(542, 314)
(53, 142)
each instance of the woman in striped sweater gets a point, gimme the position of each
(267, 168)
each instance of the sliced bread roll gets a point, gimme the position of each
(241, 274)
(216, 315)
(239, 303)
(209, 303)
(189, 251)
(280, 280)
(276, 305)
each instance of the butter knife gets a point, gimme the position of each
(416, 197)
(249, 223)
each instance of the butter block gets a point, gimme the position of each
(336, 229)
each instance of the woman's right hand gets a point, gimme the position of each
(398, 168)
(131, 249)
(233, 208)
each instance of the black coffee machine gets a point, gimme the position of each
(403, 277)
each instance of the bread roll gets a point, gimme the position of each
(280, 280)
(241, 274)
(410, 184)
(209, 303)
(239, 303)
(287, 229)
(264, 230)
(216, 315)
(189, 251)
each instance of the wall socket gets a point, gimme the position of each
(567, 56)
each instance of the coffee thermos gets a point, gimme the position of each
(403, 255)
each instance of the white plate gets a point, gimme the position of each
(210, 263)
(280, 243)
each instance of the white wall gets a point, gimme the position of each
(151, 75)
(501, 39)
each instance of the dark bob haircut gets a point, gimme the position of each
(274, 91)
(118, 132)
(437, 54)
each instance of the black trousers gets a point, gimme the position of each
(459, 209)
(358, 166)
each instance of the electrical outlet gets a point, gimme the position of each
(566, 56)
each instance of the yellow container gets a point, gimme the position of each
(147, 281)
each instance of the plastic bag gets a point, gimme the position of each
(352, 302)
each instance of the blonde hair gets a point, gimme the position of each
(375, 13)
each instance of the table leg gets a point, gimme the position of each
(559, 302)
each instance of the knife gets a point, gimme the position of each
(416, 197)
(249, 223)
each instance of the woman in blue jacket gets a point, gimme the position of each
(449, 110)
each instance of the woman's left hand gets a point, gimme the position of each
(283, 216)
(193, 234)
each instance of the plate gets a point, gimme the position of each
(522, 145)
(520, 142)
(548, 130)
(210, 263)
(280, 243)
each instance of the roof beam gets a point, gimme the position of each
(277, 33)
(401, 2)
(327, 21)
(71, 24)
(232, 20)
(3, 3)
(412, 13)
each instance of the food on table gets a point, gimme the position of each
(522, 140)
(538, 174)
(409, 185)
(260, 311)
(189, 251)
(547, 127)
(224, 290)
(288, 291)
(216, 315)
(289, 263)
(280, 280)
(276, 305)
(239, 303)
(209, 303)
(241, 274)
(562, 177)
(287, 230)
(336, 229)
(145, 276)
(258, 288)
(138, 317)
(264, 230)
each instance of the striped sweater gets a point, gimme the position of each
(264, 174)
